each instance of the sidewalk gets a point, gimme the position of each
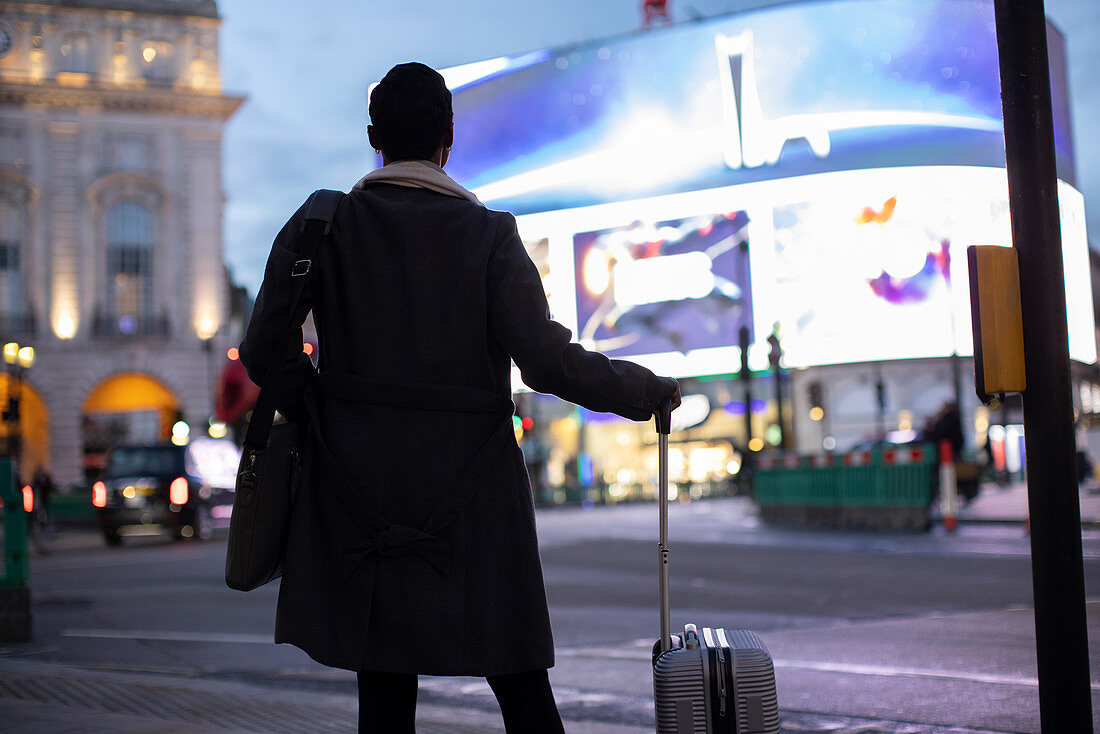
(995, 504)
(45, 698)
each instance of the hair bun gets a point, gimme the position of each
(410, 112)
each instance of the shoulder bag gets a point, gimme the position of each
(270, 468)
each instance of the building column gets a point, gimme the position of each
(64, 403)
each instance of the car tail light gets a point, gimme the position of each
(177, 491)
(28, 498)
(99, 494)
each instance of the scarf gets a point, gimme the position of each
(418, 175)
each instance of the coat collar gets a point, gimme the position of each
(417, 174)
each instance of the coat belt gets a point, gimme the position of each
(419, 396)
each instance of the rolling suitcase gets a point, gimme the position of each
(716, 681)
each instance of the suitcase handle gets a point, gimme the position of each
(663, 414)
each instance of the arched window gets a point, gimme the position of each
(158, 64)
(11, 241)
(78, 54)
(130, 267)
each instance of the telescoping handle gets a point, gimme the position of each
(663, 415)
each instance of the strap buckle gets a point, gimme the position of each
(301, 267)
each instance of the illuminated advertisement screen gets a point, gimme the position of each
(675, 285)
(877, 269)
(820, 166)
(793, 90)
(852, 266)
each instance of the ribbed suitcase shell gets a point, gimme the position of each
(686, 691)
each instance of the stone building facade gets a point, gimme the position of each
(111, 118)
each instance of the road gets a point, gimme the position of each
(870, 632)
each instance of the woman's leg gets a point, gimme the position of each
(527, 703)
(387, 703)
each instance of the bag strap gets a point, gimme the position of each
(316, 225)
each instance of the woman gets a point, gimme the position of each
(412, 548)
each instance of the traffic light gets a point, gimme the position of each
(521, 425)
(814, 390)
(776, 352)
(745, 341)
(817, 408)
(11, 415)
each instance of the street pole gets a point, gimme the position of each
(779, 406)
(14, 435)
(744, 341)
(880, 403)
(746, 477)
(746, 382)
(775, 354)
(1057, 568)
(956, 380)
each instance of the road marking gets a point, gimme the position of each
(896, 671)
(830, 667)
(54, 563)
(172, 636)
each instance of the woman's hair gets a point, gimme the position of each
(410, 110)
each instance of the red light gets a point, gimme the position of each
(99, 494)
(28, 498)
(946, 455)
(177, 491)
(528, 423)
(308, 348)
(233, 353)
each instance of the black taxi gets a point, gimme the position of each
(186, 490)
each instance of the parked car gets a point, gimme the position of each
(187, 490)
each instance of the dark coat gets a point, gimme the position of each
(412, 546)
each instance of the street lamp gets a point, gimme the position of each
(17, 360)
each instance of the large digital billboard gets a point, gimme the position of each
(797, 89)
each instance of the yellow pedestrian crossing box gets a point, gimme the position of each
(997, 320)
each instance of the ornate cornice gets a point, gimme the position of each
(124, 181)
(165, 101)
(194, 8)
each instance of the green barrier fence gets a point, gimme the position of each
(74, 507)
(15, 597)
(878, 488)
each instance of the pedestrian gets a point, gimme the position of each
(421, 297)
(1084, 467)
(946, 424)
(42, 487)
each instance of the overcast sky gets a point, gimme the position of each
(305, 66)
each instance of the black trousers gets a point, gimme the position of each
(387, 703)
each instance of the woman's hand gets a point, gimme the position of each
(675, 398)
